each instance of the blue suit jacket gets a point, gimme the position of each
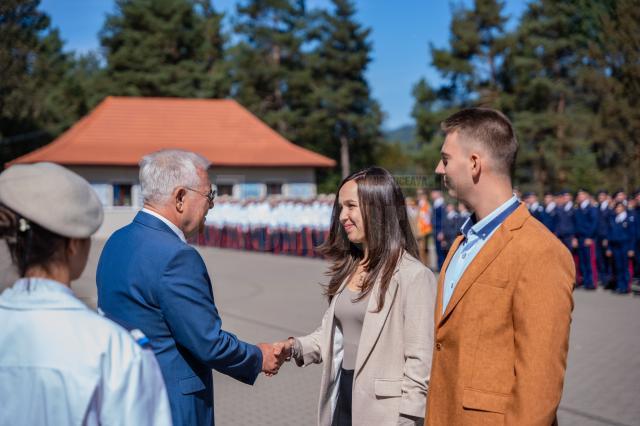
(149, 279)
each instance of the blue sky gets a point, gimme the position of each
(401, 33)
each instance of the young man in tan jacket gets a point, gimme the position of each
(504, 294)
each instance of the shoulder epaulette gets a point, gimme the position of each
(140, 338)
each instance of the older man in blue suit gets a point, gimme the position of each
(149, 278)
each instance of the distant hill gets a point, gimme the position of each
(404, 134)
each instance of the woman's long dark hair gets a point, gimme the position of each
(387, 234)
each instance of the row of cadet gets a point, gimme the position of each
(602, 232)
(295, 227)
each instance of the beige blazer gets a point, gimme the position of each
(501, 345)
(394, 353)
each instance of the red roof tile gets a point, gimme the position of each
(120, 130)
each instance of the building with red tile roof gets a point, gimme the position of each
(248, 157)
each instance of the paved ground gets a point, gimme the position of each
(265, 297)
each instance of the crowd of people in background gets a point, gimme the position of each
(601, 230)
(279, 226)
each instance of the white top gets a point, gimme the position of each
(170, 224)
(63, 364)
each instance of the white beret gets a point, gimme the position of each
(52, 196)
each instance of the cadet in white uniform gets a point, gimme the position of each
(60, 362)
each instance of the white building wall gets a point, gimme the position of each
(298, 182)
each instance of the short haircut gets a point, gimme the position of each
(163, 171)
(491, 129)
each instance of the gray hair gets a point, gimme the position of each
(162, 171)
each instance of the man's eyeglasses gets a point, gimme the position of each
(210, 196)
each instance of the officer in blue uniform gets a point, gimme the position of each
(535, 208)
(621, 242)
(450, 227)
(438, 215)
(636, 278)
(548, 216)
(605, 211)
(564, 224)
(586, 225)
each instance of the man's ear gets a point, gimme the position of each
(180, 193)
(476, 165)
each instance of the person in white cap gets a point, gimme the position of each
(60, 362)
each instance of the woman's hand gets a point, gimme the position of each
(282, 352)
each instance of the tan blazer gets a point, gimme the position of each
(394, 353)
(501, 346)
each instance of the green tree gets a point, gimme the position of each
(472, 69)
(344, 119)
(569, 78)
(428, 112)
(165, 48)
(551, 115)
(38, 96)
(612, 86)
(269, 65)
(471, 63)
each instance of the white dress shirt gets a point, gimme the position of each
(170, 224)
(63, 364)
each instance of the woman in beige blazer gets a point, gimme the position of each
(375, 340)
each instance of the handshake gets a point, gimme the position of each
(274, 355)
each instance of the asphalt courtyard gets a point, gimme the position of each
(262, 297)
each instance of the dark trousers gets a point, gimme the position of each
(636, 266)
(441, 254)
(621, 263)
(342, 416)
(588, 269)
(604, 263)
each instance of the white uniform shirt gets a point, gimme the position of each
(63, 364)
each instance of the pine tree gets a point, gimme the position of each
(612, 86)
(345, 117)
(37, 98)
(269, 69)
(165, 48)
(428, 112)
(551, 116)
(476, 50)
(472, 66)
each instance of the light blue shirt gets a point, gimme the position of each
(476, 236)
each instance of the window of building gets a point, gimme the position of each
(224, 189)
(251, 190)
(301, 190)
(105, 193)
(122, 194)
(274, 188)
